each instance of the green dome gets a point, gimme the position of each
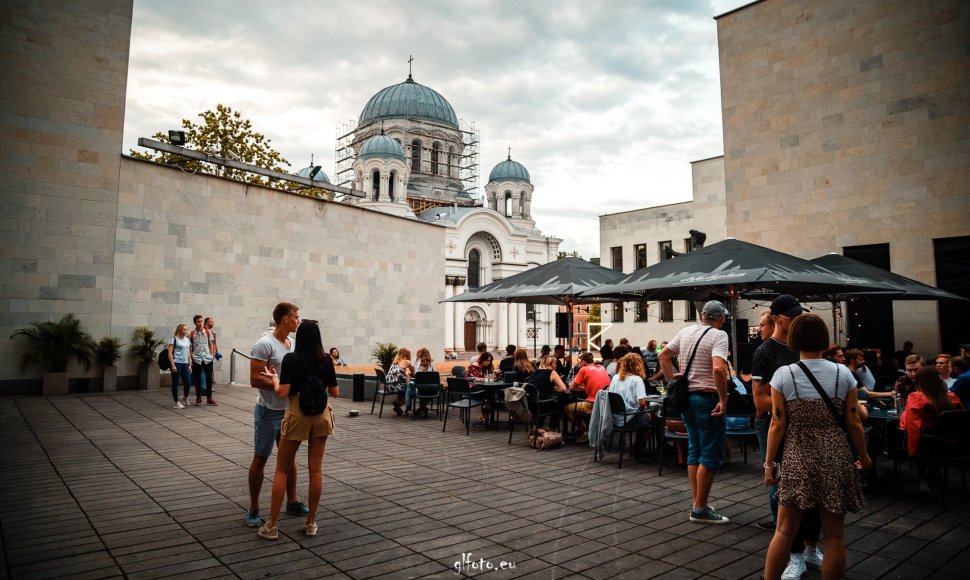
(409, 100)
(509, 170)
(320, 176)
(381, 146)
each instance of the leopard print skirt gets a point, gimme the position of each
(816, 468)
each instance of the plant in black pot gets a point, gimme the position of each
(145, 349)
(53, 345)
(106, 354)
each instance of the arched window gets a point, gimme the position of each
(522, 211)
(508, 204)
(434, 157)
(416, 156)
(375, 184)
(390, 185)
(474, 269)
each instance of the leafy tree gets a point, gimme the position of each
(573, 254)
(225, 133)
(594, 314)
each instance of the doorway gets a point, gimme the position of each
(870, 320)
(953, 275)
(470, 326)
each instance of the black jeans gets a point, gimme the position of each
(197, 369)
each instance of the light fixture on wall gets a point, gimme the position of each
(176, 137)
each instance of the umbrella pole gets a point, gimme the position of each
(835, 322)
(734, 328)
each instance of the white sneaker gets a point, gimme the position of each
(182, 401)
(795, 568)
(813, 557)
(179, 405)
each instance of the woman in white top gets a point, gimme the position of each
(628, 383)
(181, 364)
(818, 468)
(423, 362)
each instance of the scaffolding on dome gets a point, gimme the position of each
(468, 167)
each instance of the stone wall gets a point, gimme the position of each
(846, 124)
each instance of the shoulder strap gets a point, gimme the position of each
(694, 351)
(828, 402)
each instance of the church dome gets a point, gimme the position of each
(320, 176)
(381, 146)
(409, 100)
(509, 170)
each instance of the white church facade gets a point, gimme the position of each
(411, 157)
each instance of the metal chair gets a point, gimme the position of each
(541, 405)
(458, 371)
(741, 407)
(427, 388)
(632, 422)
(467, 400)
(380, 391)
(666, 435)
(948, 445)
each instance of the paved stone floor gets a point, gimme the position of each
(122, 485)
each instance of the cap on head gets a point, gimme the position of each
(965, 346)
(786, 305)
(714, 310)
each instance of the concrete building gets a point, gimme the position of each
(845, 130)
(123, 243)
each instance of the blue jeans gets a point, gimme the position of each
(705, 434)
(761, 428)
(181, 371)
(266, 432)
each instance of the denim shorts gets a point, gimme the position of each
(267, 424)
(705, 434)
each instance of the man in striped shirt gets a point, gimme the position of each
(704, 418)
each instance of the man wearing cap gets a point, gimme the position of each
(704, 418)
(771, 355)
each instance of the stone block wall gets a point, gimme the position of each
(848, 123)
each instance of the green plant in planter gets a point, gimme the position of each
(53, 344)
(384, 353)
(108, 351)
(146, 346)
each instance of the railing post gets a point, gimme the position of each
(232, 367)
(358, 387)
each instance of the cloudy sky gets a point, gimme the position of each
(606, 102)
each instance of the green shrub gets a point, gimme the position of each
(384, 353)
(108, 351)
(145, 348)
(52, 345)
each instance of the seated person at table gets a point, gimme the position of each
(591, 378)
(522, 366)
(960, 368)
(855, 360)
(423, 362)
(907, 384)
(618, 353)
(505, 365)
(480, 370)
(923, 406)
(397, 378)
(628, 383)
(562, 362)
(550, 387)
(942, 364)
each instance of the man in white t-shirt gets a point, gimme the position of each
(707, 380)
(268, 352)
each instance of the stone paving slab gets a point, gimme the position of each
(122, 485)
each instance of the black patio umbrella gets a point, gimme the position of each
(733, 269)
(896, 286)
(558, 283)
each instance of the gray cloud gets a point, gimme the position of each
(605, 102)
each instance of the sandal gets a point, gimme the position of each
(482, 421)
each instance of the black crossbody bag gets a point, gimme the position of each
(679, 393)
(839, 419)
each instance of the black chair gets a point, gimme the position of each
(458, 371)
(467, 399)
(948, 445)
(666, 435)
(427, 389)
(631, 422)
(381, 392)
(542, 404)
(741, 406)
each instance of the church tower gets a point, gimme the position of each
(509, 192)
(382, 172)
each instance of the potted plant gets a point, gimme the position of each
(384, 353)
(52, 345)
(106, 354)
(145, 350)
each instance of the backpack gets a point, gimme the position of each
(313, 395)
(163, 362)
(515, 402)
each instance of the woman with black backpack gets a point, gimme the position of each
(307, 377)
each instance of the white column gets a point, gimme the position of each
(449, 318)
(500, 326)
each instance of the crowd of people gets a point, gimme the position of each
(810, 399)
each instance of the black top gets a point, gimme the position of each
(542, 379)
(606, 352)
(770, 356)
(293, 371)
(505, 365)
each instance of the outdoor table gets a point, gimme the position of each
(491, 390)
(885, 434)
